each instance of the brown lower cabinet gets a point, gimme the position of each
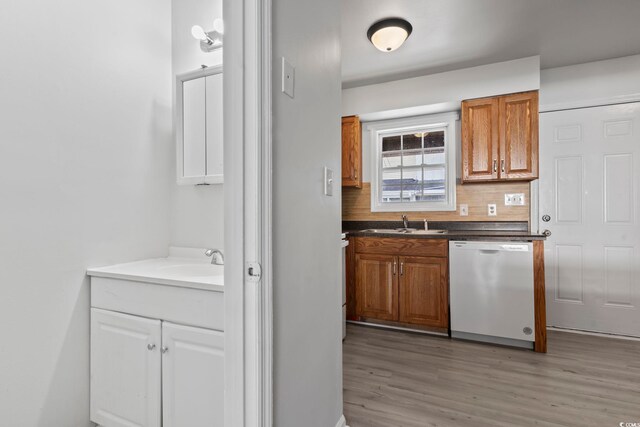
(401, 280)
(377, 286)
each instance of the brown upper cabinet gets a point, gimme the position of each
(351, 152)
(500, 138)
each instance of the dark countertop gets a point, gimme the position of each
(492, 231)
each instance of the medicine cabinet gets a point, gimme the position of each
(199, 122)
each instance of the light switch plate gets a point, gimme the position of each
(514, 199)
(492, 209)
(288, 77)
(464, 210)
(328, 181)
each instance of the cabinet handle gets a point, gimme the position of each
(151, 347)
(495, 166)
(164, 349)
(356, 174)
(394, 268)
(402, 268)
(502, 165)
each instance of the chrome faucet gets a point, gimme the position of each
(405, 222)
(216, 256)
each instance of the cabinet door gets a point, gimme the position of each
(125, 370)
(424, 296)
(351, 152)
(519, 136)
(377, 286)
(214, 134)
(192, 151)
(192, 376)
(480, 139)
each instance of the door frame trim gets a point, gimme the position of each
(596, 102)
(247, 206)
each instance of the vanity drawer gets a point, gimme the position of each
(195, 307)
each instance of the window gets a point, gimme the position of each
(414, 164)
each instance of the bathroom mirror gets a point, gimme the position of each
(199, 136)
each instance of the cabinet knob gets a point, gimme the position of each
(150, 347)
(164, 349)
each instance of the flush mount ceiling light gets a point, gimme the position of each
(388, 34)
(211, 40)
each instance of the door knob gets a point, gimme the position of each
(546, 233)
(546, 218)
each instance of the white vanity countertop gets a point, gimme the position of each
(184, 267)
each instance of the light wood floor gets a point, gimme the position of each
(394, 378)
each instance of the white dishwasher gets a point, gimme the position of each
(491, 286)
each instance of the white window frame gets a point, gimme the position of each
(378, 130)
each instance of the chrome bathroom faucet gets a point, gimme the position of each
(405, 222)
(216, 255)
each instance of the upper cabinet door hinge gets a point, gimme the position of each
(254, 272)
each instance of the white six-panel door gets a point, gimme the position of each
(125, 370)
(589, 188)
(192, 376)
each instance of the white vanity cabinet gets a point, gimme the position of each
(125, 370)
(157, 355)
(192, 375)
(199, 127)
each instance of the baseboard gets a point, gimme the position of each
(595, 334)
(342, 422)
(398, 328)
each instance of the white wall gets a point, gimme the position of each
(441, 92)
(306, 224)
(197, 212)
(85, 146)
(591, 83)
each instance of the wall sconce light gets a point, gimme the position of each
(211, 40)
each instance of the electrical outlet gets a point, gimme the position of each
(464, 210)
(514, 199)
(288, 77)
(492, 209)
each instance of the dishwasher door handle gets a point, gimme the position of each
(489, 251)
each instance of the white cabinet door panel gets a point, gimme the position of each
(215, 159)
(194, 133)
(192, 376)
(125, 370)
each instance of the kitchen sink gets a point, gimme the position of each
(429, 232)
(390, 230)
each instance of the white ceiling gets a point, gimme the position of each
(453, 34)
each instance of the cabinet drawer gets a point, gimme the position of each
(402, 246)
(195, 307)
